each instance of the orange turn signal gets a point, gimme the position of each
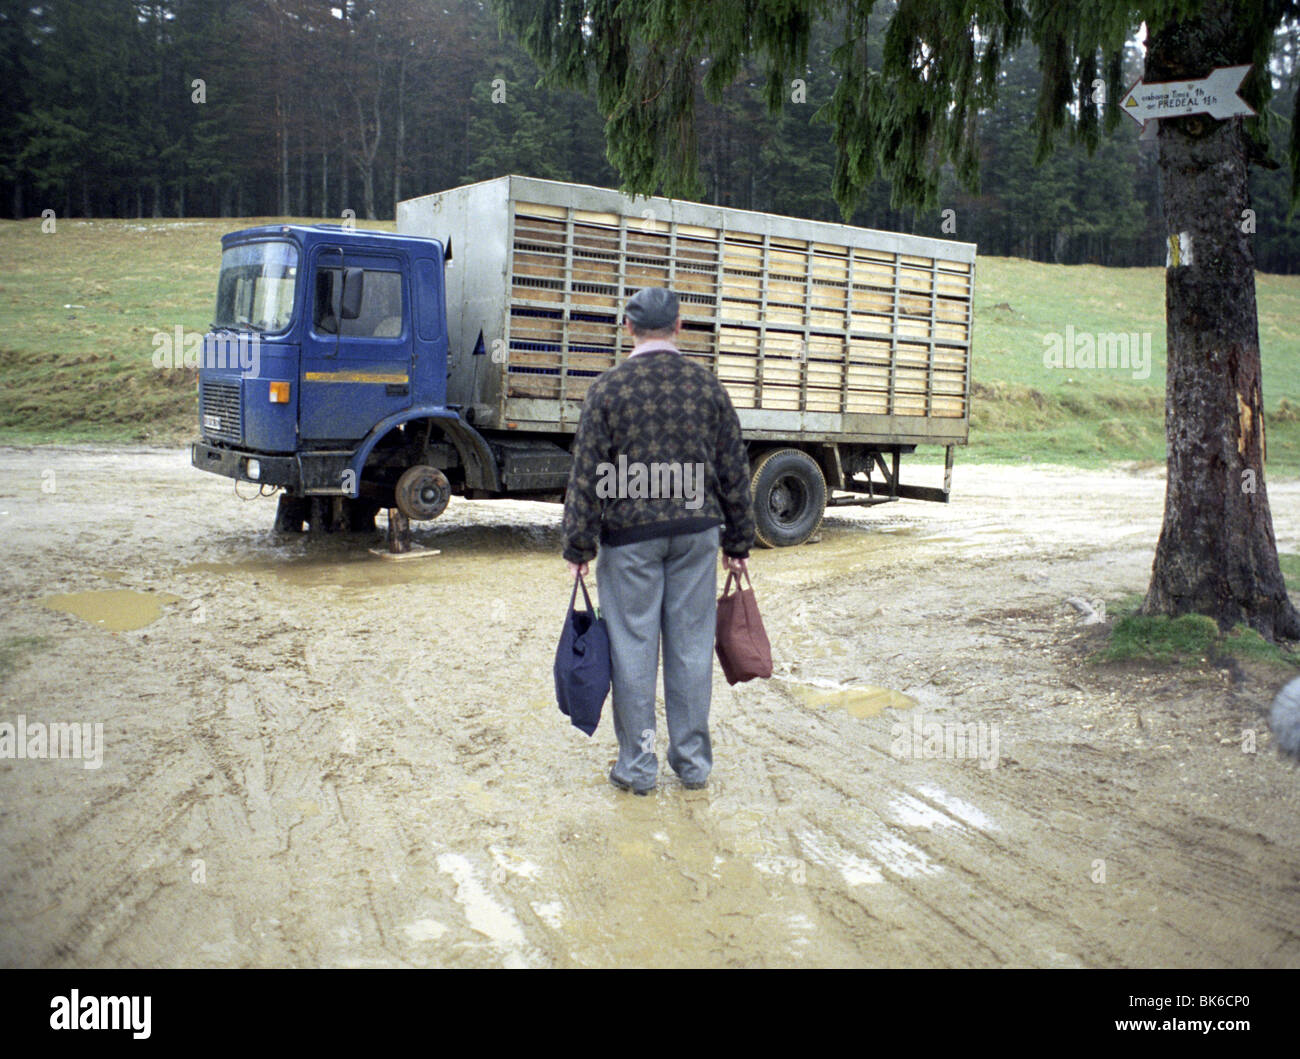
(279, 393)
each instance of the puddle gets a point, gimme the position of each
(118, 610)
(862, 700)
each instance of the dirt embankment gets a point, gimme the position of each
(313, 757)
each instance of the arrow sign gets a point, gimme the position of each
(1215, 95)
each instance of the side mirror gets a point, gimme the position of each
(354, 288)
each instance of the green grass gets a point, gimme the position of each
(79, 309)
(1138, 638)
(1022, 408)
(1290, 563)
(1191, 638)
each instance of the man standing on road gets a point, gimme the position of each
(660, 480)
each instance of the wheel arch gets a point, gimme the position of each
(481, 471)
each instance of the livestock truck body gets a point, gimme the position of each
(452, 357)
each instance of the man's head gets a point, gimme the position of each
(652, 312)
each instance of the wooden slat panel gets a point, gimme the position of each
(914, 279)
(869, 351)
(947, 358)
(949, 383)
(828, 400)
(868, 376)
(871, 300)
(739, 339)
(526, 358)
(520, 384)
(909, 380)
(913, 328)
(739, 310)
(742, 284)
(810, 313)
(778, 313)
(829, 297)
(742, 396)
(783, 398)
(875, 402)
(786, 290)
(824, 373)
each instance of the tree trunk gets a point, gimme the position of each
(399, 147)
(1217, 554)
(368, 189)
(284, 166)
(343, 179)
(303, 208)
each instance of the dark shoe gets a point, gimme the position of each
(695, 785)
(627, 786)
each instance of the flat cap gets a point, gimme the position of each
(652, 308)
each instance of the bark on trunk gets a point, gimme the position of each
(1217, 554)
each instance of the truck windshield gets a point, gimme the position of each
(256, 288)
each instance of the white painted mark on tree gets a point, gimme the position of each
(1179, 251)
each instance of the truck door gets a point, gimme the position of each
(354, 372)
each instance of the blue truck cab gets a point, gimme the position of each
(325, 374)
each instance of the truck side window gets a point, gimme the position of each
(382, 308)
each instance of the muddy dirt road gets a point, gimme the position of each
(316, 758)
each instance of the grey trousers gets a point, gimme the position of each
(668, 586)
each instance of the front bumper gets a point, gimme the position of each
(283, 471)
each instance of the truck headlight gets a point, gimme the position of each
(279, 393)
(253, 468)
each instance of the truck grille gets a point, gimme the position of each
(219, 410)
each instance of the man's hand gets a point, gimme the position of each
(739, 566)
(577, 570)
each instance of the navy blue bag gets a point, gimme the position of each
(582, 667)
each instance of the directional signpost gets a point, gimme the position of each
(1215, 95)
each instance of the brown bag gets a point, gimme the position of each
(741, 640)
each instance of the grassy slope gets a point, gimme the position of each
(1024, 409)
(85, 373)
(78, 312)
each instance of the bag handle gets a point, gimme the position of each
(733, 576)
(573, 598)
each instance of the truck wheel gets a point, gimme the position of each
(422, 493)
(789, 497)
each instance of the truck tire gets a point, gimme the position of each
(422, 493)
(789, 497)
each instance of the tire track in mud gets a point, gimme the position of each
(896, 850)
(1077, 932)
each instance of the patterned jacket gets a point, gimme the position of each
(670, 417)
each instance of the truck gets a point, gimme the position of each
(394, 370)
